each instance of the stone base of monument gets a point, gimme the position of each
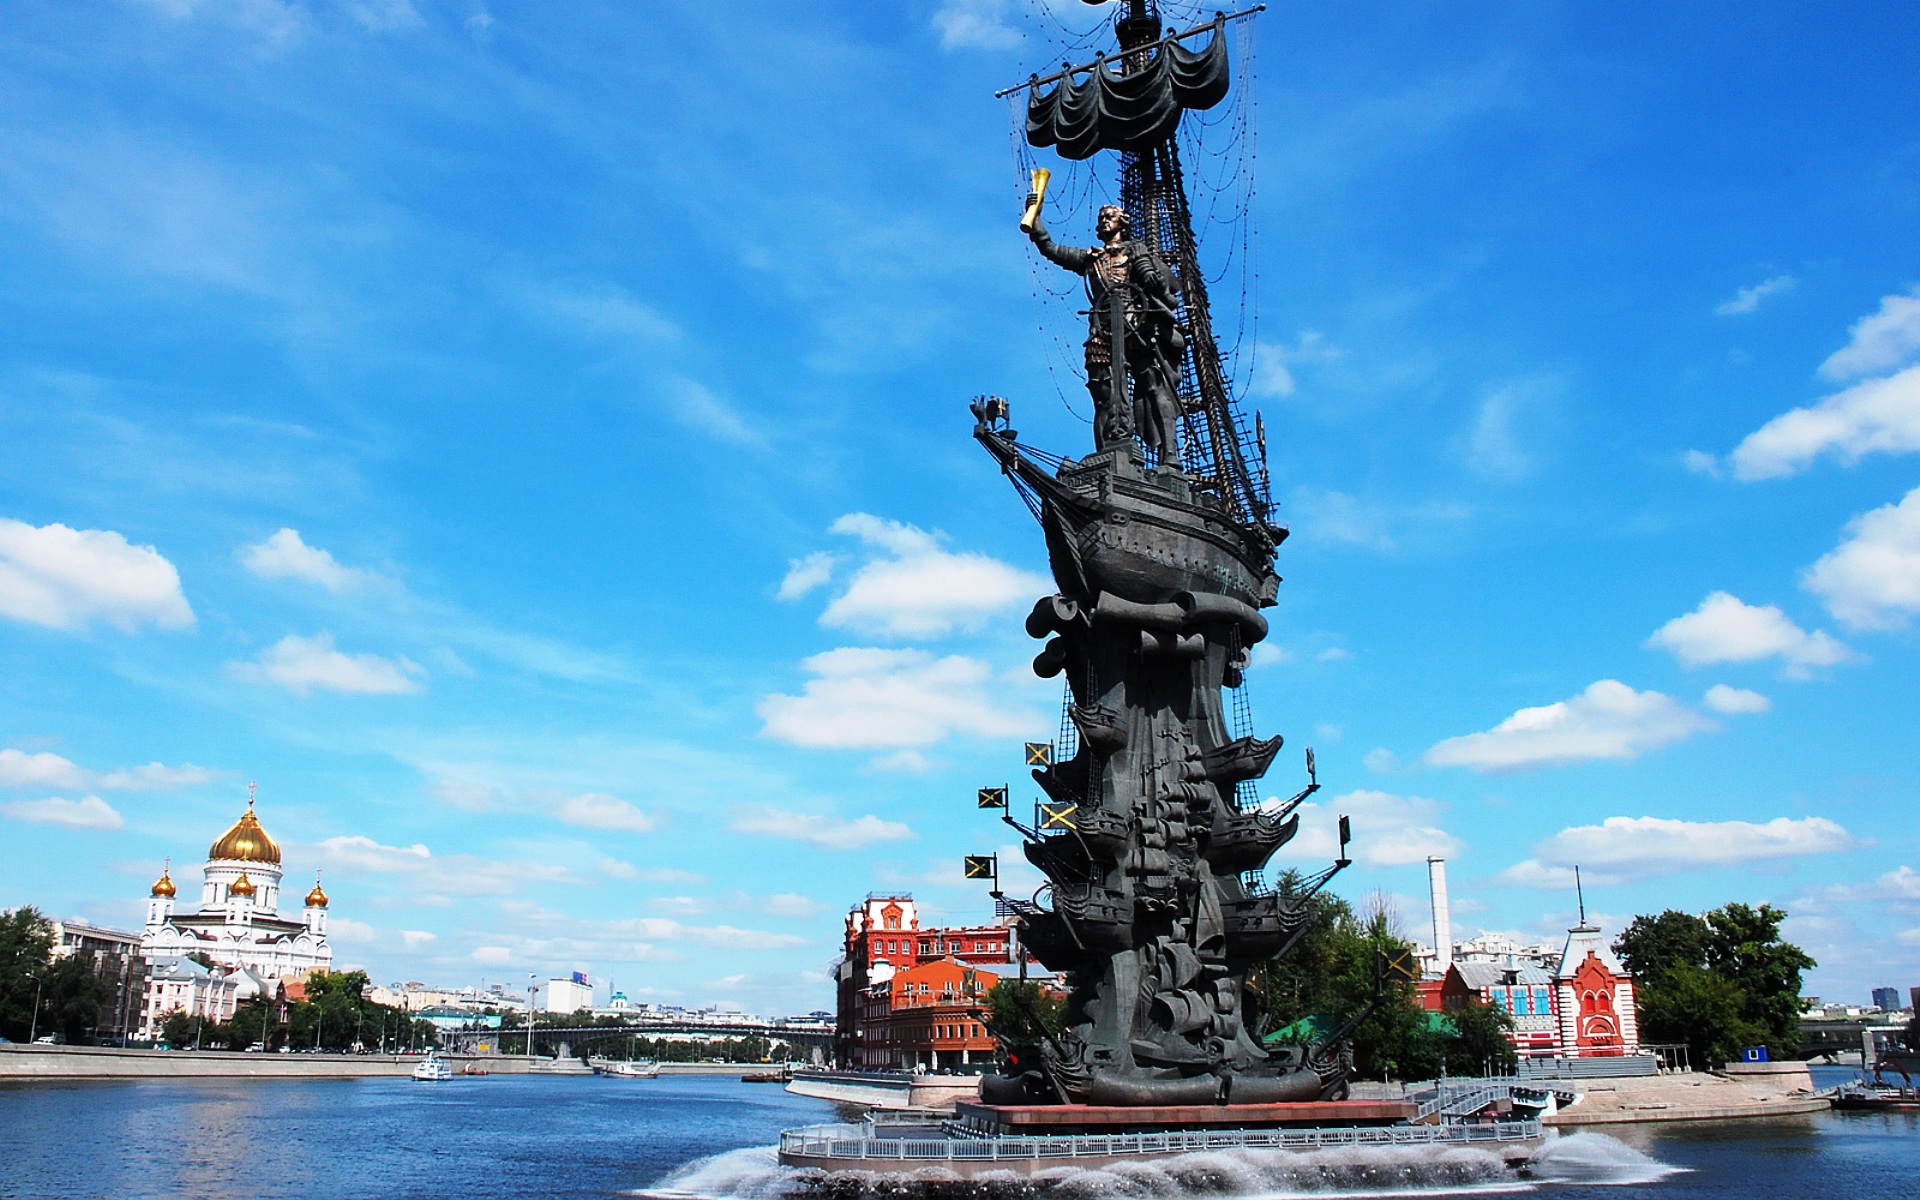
(1006, 1120)
(983, 1139)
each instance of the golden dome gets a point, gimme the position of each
(242, 886)
(316, 898)
(246, 842)
(163, 886)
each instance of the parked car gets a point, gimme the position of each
(48, 1040)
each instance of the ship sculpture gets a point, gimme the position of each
(1162, 543)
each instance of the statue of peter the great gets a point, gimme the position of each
(1128, 289)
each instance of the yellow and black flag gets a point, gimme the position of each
(1400, 962)
(1059, 816)
(1039, 754)
(983, 866)
(993, 797)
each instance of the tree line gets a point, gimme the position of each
(41, 994)
(335, 1015)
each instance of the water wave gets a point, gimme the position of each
(1361, 1171)
(1595, 1158)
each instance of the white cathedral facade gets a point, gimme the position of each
(238, 927)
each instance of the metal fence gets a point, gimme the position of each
(858, 1142)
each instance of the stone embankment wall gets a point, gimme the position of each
(1740, 1090)
(95, 1062)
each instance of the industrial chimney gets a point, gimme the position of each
(1442, 919)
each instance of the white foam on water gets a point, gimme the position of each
(754, 1173)
(1595, 1158)
(1331, 1174)
(1276, 1174)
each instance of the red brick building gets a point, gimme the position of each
(927, 1017)
(884, 940)
(1597, 1015)
(1585, 1007)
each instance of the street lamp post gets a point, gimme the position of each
(531, 989)
(33, 1032)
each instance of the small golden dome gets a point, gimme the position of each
(163, 886)
(246, 842)
(316, 898)
(242, 886)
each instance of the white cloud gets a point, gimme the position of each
(1494, 446)
(1625, 848)
(1734, 701)
(69, 578)
(1381, 761)
(836, 833)
(1388, 830)
(915, 589)
(430, 878)
(44, 769)
(1880, 341)
(1726, 629)
(156, 777)
(1274, 362)
(805, 574)
(1747, 299)
(1338, 517)
(88, 812)
(381, 16)
(874, 699)
(1608, 720)
(19, 769)
(364, 854)
(977, 24)
(1699, 462)
(597, 810)
(492, 956)
(302, 665)
(1871, 580)
(286, 556)
(789, 904)
(1875, 416)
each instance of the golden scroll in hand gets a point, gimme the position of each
(1035, 199)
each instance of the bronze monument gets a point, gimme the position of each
(1162, 544)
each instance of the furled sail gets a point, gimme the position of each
(1110, 110)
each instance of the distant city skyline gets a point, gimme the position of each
(532, 444)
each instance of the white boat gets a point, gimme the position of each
(630, 1070)
(433, 1070)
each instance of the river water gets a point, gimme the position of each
(711, 1137)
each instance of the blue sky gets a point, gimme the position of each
(531, 441)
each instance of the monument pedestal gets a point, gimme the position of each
(1012, 1120)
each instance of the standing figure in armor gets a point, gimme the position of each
(1131, 292)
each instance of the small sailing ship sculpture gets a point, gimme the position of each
(1162, 545)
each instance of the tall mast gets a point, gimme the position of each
(1220, 452)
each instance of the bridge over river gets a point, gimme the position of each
(576, 1041)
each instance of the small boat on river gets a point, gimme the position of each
(433, 1070)
(629, 1070)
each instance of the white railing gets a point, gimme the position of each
(855, 1142)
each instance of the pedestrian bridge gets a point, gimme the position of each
(573, 1041)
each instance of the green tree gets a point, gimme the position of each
(1649, 946)
(1744, 946)
(1482, 1041)
(177, 1029)
(1331, 973)
(71, 1000)
(1716, 983)
(1021, 1012)
(26, 951)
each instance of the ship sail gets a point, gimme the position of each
(1128, 110)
